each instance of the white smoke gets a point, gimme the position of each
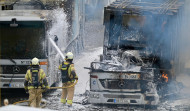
(59, 27)
(183, 66)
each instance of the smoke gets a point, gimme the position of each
(59, 27)
(170, 36)
(183, 64)
(94, 9)
(175, 49)
(166, 34)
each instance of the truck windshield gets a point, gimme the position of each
(132, 35)
(25, 41)
(126, 33)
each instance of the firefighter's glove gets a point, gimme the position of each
(26, 89)
(46, 88)
(74, 79)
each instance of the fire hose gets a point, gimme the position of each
(43, 91)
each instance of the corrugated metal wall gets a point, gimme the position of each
(76, 43)
(183, 64)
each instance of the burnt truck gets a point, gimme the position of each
(137, 50)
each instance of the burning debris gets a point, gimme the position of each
(165, 77)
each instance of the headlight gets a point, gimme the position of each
(95, 96)
(21, 85)
(150, 98)
(16, 85)
(148, 77)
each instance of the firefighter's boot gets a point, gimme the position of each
(63, 101)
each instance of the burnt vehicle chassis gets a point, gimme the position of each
(136, 35)
(122, 87)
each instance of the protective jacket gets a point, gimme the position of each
(35, 78)
(68, 72)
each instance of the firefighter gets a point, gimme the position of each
(68, 78)
(35, 83)
(6, 102)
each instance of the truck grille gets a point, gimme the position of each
(120, 84)
(14, 69)
(122, 96)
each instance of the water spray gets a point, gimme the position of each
(57, 48)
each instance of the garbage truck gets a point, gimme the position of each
(23, 27)
(136, 51)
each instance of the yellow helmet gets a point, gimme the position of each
(35, 61)
(69, 55)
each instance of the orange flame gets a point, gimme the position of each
(165, 76)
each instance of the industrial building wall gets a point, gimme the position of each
(180, 41)
(75, 14)
(184, 38)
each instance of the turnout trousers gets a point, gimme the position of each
(67, 94)
(35, 96)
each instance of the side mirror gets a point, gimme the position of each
(13, 24)
(55, 39)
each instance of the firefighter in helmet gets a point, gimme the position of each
(35, 83)
(68, 78)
